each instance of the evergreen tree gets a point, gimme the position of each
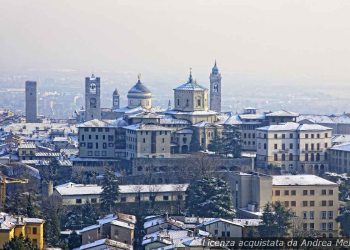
(110, 191)
(74, 240)
(344, 220)
(51, 212)
(19, 243)
(32, 209)
(209, 197)
(276, 220)
(229, 143)
(81, 216)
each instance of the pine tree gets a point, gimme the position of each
(276, 220)
(344, 220)
(110, 191)
(19, 243)
(32, 209)
(229, 143)
(209, 197)
(81, 216)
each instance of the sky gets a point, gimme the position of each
(306, 41)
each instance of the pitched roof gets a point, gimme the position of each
(299, 180)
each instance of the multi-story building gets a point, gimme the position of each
(281, 116)
(13, 226)
(102, 138)
(339, 158)
(312, 199)
(31, 102)
(147, 141)
(294, 147)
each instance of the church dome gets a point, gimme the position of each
(138, 88)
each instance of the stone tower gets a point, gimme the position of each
(215, 89)
(92, 98)
(116, 100)
(31, 102)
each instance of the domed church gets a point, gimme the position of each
(139, 96)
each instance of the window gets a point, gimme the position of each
(312, 226)
(275, 146)
(306, 135)
(110, 138)
(165, 198)
(104, 145)
(312, 215)
(96, 144)
(326, 135)
(330, 203)
(306, 146)
(293, 192)
(93, 200)
(330, 215)
(324, 203)
(290, 156)
(216, 232)
(304, 215)
(277, 192)
(324, 192)
(330, 226)
(323, 215)
(96, 137)
(78, 201)
(35, 230)
(283, 136)
(286, 203)
(312, 203)
(305, 226)
(290, 136)
(123, 199)
(89, 145)
(199, 102)
(275, 157)
(283, 146)
(293, 203)
(179, 197)
(323, 226)
(330, 191)
(290, 145)
(275, 135)
(283, 157)
(304, 203)
(286, 192)
(304, 192)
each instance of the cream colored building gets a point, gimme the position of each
(147, 141)
(294, 147)
(312, 199)
(139, 96)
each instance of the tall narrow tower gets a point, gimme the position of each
(92, 98)
(116, 100)
(31, 102)
(215, 89)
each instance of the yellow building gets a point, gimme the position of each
(31, 228)
(312, 199)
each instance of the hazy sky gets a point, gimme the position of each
(299, 40)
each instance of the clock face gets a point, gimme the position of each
(92, 88)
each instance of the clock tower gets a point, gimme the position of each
(92, 98)
(215, 89)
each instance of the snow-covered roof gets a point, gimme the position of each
(71, 188)
(282, 113)
(89, 228)
(33, 220)
(342, 147)
(146, 127)
(293, 126)
(220, 220)
(190, 85)
(103, 123)
(328, 119)
(110, 244)
(252, 116)
(166, 236)
(26, 146)
(194, 113)
(337, 139)
(299, 180)
(185, 131)
(123, 224)
(138, 88)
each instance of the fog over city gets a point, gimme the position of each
(271, 54)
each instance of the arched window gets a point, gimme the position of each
(283, 157)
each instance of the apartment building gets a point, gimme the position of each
(102, 139)
(312, 199)
(13, 226)
(147, 141)
(339, 158)
(294, 147)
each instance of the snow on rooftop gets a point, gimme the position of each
(123, 224)
(342, 147)
(282, 113)
(293, 126)
(146, 127)
(103, 123)
(299, 180)
(330, 119)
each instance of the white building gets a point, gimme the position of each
(293, 146)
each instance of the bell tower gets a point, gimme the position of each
(92, 98)
(215, 89)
